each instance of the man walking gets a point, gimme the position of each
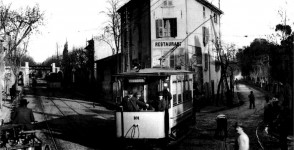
(251, 100)
(242, 142)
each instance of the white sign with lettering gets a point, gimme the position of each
(166, 43)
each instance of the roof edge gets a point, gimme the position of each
(209, 5)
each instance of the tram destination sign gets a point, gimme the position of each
(136, 80)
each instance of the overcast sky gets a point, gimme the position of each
(79, 20)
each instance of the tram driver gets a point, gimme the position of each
(23, 115)
(132, 103)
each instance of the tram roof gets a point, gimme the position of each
(154, 72)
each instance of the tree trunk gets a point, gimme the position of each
(2, 74)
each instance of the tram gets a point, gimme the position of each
(151, 124)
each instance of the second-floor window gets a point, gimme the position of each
(203, 12)
(167, 3)
(166, 27)
(215, 18)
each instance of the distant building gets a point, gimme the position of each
(152, 28)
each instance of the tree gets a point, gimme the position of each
(16, 26)
(65, 66)
(226, 60)
(112, 30)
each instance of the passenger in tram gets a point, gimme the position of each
(141, 99)
(167, 96)
(160, 103)
(127, 106)
(136, 104)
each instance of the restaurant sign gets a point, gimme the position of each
(166, 43)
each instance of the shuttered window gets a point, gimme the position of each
(215, 18)
(206, 62)
(166, 27)
(167, 3)
(159, 28)
(205, 35)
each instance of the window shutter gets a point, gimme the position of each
(203, 36)
(170, 3)
(206, 62)
(159, 28)
(206, 35)
(198, 55)
(173, 23)
(165, 3)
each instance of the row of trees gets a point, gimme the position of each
(265, 53)
(16, 27)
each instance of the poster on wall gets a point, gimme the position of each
(156, 54)
(161, 47)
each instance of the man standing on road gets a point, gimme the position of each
(242, 142)
(251, 100)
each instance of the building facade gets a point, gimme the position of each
(181, 33)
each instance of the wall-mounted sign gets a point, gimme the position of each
(166, 43)
(136, 80)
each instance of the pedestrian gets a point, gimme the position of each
(13, 91)
(23, 115)
(251, 100)
(268, 115)
(242, 141)
(284, 127)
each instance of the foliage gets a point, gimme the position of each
(17, 26)
(51, 60)
(25, 58)
(280, 57)
(78, 58)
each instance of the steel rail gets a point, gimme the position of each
(48, 127)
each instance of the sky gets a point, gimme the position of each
(77, 21)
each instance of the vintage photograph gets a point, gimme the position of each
(146, 74)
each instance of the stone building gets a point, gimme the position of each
(150, 29)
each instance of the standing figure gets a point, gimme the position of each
(251, 100)
(160, 103)
(242, 142)
(136, 104)
(127, 106)
(23, 115)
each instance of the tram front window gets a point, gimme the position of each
(132, 103)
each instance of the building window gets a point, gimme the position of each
(215, 18)
(205, 35)
(198, 53)
(166, 27)
(167, 3)
(206, 57)
(203, 12)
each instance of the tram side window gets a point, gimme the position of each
(174, 99)
(180, 91)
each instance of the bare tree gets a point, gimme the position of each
(226, 61)
(16, 26)
(112, 30)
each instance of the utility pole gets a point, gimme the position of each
(127, 42)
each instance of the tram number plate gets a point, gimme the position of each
(136, 117)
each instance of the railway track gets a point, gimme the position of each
(54, 143)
